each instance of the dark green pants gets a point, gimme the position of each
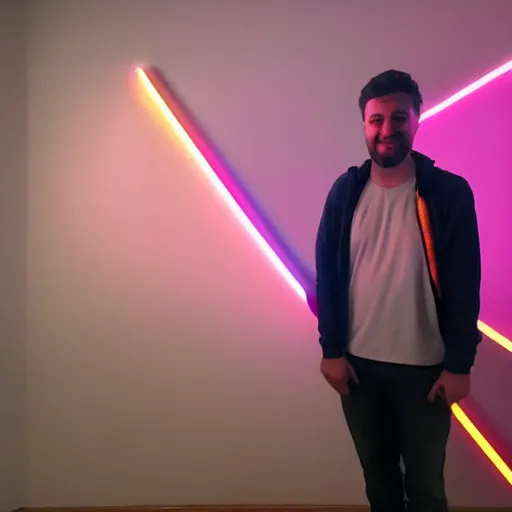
(389, 418)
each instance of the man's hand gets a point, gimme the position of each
(451, 387)
(337, 373)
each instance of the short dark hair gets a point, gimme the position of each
(389, 82)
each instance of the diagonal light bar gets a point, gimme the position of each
(477, 436)
(150, 82)
(469, 89)
(221, 188)
(495, 336)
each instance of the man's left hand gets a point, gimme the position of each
(452, 387)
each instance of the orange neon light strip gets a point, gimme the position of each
(158, 100)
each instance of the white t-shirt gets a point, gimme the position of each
(392, 308)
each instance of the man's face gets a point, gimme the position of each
(390, 125)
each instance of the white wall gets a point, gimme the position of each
(167, 361)
(13, 218)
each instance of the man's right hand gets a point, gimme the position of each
(338, 372)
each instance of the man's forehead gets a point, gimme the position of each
(389, 103)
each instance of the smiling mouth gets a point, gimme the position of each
(391, 144)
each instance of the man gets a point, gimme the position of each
(398, 284)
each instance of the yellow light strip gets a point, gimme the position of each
(495, 336)
(482, 442)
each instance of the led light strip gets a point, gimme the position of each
(466, 91)
(235, 208)
(149, 83)
(495, 336)
(482, 442)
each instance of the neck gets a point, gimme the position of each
(393, 176)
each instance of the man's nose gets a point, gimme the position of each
(387, 128)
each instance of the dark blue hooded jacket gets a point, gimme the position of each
(448, 225)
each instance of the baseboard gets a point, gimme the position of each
(206, 508)
(241, 508)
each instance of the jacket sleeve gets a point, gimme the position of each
(461, 279)
(327, 279)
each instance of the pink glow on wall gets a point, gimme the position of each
(472, 138)
(176, 117)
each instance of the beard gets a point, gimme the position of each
(389, 152)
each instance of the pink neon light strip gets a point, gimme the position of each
(466, 91)
(219, 186)
(150, 85)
